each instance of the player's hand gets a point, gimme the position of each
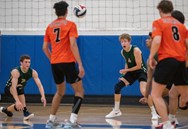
(152, 63)
(143, 100)
(19, 105)
(148, 43)
(81, 71)
(122, 71)
(43, 100)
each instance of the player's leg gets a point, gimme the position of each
(173, 105)
(26, 113)
(7, 111)
(117, 95)
(78, 97)
(77, 102)
(181, 83)
(76, 83)
(164, 73)
(58, 74)
(21, 96)
(149, 102)
(51, 122)
(157, 91)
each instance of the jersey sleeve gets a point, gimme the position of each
(156, 28)
(73, 31)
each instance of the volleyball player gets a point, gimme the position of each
(169, 41)
(15, 88)
(135, 69)
(61, 35)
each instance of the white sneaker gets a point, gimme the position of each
(70, 125)
(155, 122)
(52, 125)
(114, 113)
(28, 115)
(174, 121)
(168, 126)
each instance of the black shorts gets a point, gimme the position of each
(171, 70)
(20, 90)
(169, 86)
(139, 75)
(65, 70)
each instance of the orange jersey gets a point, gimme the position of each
(173, 35)
(58, 34)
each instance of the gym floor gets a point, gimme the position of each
(90, 117)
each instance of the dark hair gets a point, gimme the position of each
(23, 57)
(179, 16)
(165, 6)
(150, 34)
(60, 8)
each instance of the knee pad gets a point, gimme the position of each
(118, 87)
(20, 90)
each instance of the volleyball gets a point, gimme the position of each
(80, 11)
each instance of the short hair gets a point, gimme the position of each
(60, 8)
(125, 36)
(165, 6)
(23, 57)
(179, 16)
(150, 34)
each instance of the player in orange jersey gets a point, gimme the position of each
(169, 37)
(61, 35)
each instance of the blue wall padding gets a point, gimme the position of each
(100, 55)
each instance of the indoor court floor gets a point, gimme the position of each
(90, 117)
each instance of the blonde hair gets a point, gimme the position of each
(125, 36)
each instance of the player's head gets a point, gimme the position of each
(125, 40)
(25, 61)
(165, 6)
(23, 57)
(61, 8)
(179, 16)
(125, 36)
(149, 40)
(150, 34)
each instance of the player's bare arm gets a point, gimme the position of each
(15, 75)
(40, 87)
(144, 99)
(123, 71)
(154, 48)
(46, 50)
(75, 51)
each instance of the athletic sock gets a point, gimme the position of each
(116, 106)
(171, 116)
(153, 110)
(52, 117)
(73, 117)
